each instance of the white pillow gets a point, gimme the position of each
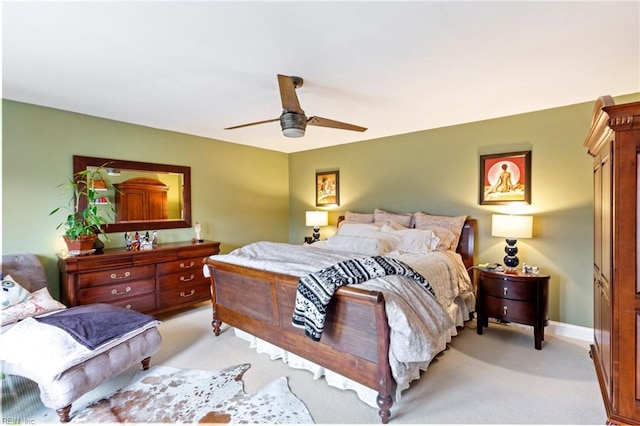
(12, 292)
(404, 219)
(359, 217)
(418, 241)
(357, 229)
(40, 302)
(366, 246)
(446, 237)
(452, 223)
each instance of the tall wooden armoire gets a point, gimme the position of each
(614, 143)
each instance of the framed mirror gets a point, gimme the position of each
(146, 196)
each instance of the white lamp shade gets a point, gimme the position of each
(317, 218)
(511, 226)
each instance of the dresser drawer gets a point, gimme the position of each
(194, 276)
(146, 303)
(184, 293)
(116, 276)
(509, 289)
(117, 291)
(511, 310)
(182, 265)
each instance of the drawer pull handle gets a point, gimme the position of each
(128, 306)
(115, 276)
(504, 310)
(183, 279)
(190, 265)
(505, 290)
(191, 293)
(116, 292)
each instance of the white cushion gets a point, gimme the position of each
(39, 303)
(12, 292)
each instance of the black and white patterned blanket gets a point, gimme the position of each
(314, 291)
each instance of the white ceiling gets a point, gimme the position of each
(394, 67)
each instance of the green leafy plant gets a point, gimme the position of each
(84, 217)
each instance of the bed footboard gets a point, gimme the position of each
(355, 340)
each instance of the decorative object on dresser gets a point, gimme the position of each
(316, 219)
(87, 213)
(166, 278)
(614, 143)
(513, 297)
(511, 227)
(505, 178)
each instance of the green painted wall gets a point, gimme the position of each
(437, 171)
(240, 194)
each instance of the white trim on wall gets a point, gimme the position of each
(564, 330)
(570, 330)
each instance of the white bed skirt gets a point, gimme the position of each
(459, 312)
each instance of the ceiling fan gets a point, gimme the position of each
(293, 120)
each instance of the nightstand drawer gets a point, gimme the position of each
(508, 289)
(511, 310)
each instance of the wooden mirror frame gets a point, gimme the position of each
(81, 163)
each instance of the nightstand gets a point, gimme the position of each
(513, 297)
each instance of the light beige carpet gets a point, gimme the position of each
(496, 378)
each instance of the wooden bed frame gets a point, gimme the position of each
(355, 340)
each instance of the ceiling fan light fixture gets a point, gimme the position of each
(293, 124)
(293, 132)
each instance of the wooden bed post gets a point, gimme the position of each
(386, 384)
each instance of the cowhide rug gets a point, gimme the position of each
(170, 395)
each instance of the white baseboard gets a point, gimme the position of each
(570, 330)
(565, 330)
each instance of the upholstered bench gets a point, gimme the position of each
(59, 390)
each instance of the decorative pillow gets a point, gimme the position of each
(365, 246)
(40, 302)
(12, 292)
(452, 223)
(404, 219)
(359, 217)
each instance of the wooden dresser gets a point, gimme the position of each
(614, 143)
(166, 278)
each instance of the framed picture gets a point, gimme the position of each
(328, 188)
(505, 178)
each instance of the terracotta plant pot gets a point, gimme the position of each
(83, 244)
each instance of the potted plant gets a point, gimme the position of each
(86, 214)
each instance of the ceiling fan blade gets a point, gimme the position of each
(288, 93)
(326, 122)
(251, 124)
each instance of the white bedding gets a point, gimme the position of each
(420, 324)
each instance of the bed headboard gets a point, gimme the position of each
(466, 245)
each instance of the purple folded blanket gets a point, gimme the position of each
(93, 325)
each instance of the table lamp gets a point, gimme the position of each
(317, 219)
(511, 227)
